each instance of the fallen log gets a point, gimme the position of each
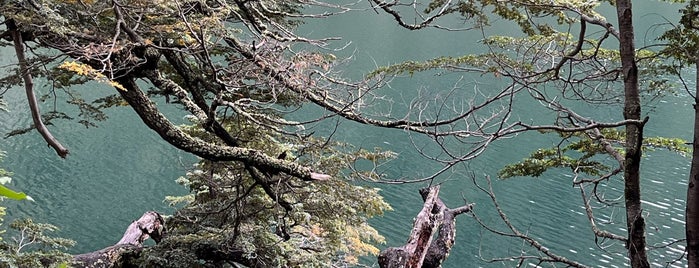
(150, 225)
(434, 220)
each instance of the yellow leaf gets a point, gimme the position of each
(117, 85)
(88, 71)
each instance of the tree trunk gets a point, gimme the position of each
(150, 225)
(692, 210)
(635, 223)
(420, 251)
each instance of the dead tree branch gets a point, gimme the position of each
(29, 89)
(421, 250)
(150, 225)
(548, 255)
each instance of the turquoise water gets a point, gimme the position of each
(113, 174)
(548, 208)
(119, 170)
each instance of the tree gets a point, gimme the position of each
(233, 66)
(267, 192)
(577, 69)
(682, 47)
(264, 190)
(635, 223)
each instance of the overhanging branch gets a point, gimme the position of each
(29, 89)
(155, 120)
(590, 126)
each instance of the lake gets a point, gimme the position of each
(119, 170)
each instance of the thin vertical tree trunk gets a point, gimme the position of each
(692, 210)
(635, 223)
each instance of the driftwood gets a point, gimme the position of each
(435, 219)
(150, 225)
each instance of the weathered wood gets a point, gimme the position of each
(420, 251)
(105, 258)
(150, 225)
(412, 254)
(439, 249)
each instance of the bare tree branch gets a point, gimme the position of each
(591, 218)
(29, 89)
(514, 232)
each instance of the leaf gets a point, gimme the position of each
(87, 71)
(4, 191)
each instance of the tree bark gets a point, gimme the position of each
(441, 247)
(155, 120)
(635, 223)
(692, 209)
(29, 90)
(150, 225)
(420, 250)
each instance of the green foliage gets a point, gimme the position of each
(504, 54)
(266, 219)
(581, 154)
(671, 144)
(4, 178)
(31, 246)
(411, 67)
(275, 220)
(578, 154)
(233, 209)
(534, 16)
(7, 192)
(521, 58)
(683, 39)
(467, 9)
